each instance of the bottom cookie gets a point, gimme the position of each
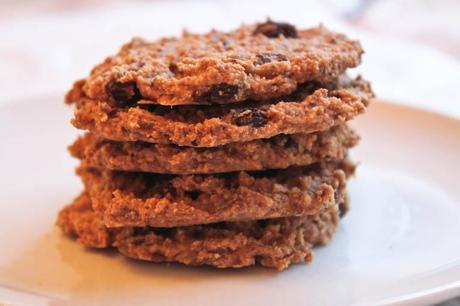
(272, 243)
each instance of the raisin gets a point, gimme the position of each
(220, 93)
(265, 58)
(122, 94)
(342, 210)
(255, 118)
(194, 195)
(173, 68)
(274, 29)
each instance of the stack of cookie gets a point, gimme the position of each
(225, 149)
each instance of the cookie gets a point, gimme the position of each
(312, 108)
(147, 199)
(274, 243)
(258, 62)
(278, 152)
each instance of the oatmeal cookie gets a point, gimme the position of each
(278, 152)
(308, 110)
(274, 243)
(258, 62)
(159, 200)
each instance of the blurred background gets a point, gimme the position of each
(412, 46)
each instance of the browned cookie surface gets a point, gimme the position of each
(307, 110)
(259, 61)
(278, 152)
(146, 199)
(272, 243)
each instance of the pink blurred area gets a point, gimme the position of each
(24, 8)
(431, 22)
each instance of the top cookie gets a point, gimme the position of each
(258, 62)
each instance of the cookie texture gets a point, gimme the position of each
(278, 152)
(275, 243)
(314, 107)
(258, 62)
(226, 149)
(146, 199)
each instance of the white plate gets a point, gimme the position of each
(399, 243)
